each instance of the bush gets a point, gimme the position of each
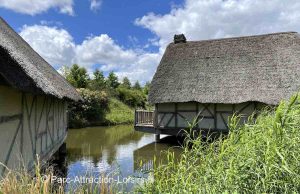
(119, 113)
(131, 97)
(91, 111)
(261, 156)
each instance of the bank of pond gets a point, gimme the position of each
(98, 110)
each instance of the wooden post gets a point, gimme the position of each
(134, 117)
(197, 112)
(176, 113)
(255, 110)
(215, 116)
(157, 137)
(155, 119)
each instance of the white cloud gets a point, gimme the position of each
(103, 50)
(33, 7)
(57, 47)
(95, 5)
(206, 19)
(54, 44)
(198, 19)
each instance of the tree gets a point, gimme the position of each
(98, 83)
(146, 88)
(112, 80)
(90, 111)
(126, 83)
(64, 71)
(77, 76)
(137, 86)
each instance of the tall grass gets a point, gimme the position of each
(262, 156)
(119, 113)
(21, 181)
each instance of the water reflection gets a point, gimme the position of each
(96, 142)
(99, 150)
(144, 156)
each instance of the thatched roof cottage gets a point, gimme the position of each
(217, 78)
(33, 103)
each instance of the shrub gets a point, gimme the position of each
(131, 97)
(261, 156)
(90, 111)
(119, 113)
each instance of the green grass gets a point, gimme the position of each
(119, 113)
(262, 156)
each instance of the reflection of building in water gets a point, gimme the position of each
(144, 156)
(59, 163)
(95, 141)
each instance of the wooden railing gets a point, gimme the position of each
(143, 117)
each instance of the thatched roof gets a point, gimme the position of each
(26, 70)
(263, 68)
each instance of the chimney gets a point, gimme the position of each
(179, 38)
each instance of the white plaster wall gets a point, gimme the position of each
(34, 135)
(206, 118)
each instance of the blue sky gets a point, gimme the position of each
(114, 17)
(130, 36)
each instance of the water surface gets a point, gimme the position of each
(116, 149)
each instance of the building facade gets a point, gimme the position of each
(33, 104)
(215, 79)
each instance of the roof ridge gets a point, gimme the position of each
(242, 37)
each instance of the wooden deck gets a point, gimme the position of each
(144, 121)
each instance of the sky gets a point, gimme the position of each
(129, 37)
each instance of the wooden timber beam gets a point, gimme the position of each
(5, 119)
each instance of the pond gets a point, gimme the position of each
(116, 150)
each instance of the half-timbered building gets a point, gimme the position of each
(217, 78)
(33, 103)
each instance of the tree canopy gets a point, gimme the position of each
(137, 86)
(99, 82)
(126, 83)
(77, 76)
(147, 88)
(112, 80)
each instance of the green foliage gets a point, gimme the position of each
(137, 86)
(77, 76)
(94, 109)
(261, 156)
(118, 113)
(126, 83)
(98, 83)
(112, 80)
(98, 109)
(146, 88)
(133, 98)
(90, 111)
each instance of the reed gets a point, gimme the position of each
(261, 156)
(21, 181)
